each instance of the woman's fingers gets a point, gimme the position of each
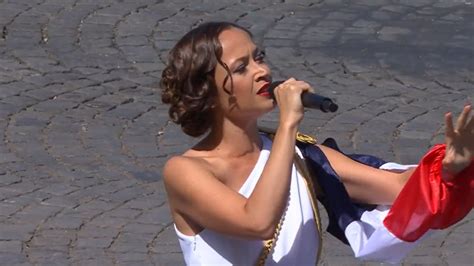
(449, 131)
(288, 96)
(464, 123)
(295, 85)
(469, 127)
(461, 121)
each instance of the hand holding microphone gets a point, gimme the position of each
(309, 100)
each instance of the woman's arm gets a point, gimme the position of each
(366, 184)
(370, 185)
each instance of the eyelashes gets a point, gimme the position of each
(259, 57)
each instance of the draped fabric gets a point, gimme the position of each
(434, 203)
(389, 233)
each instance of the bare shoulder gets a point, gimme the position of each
(181, 166)
(187, 173)
(187, 179)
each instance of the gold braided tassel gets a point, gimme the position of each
(268, 244)
(306, 138)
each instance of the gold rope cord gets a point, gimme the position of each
(270, 243)
(301, 167)
(310, 186)
(306, 138)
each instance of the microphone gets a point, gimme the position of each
(309, 100)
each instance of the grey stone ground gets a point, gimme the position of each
(84, 135)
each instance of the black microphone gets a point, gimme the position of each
(309, 100)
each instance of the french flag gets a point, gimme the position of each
(389, 233)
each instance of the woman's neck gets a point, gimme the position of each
(230, 139)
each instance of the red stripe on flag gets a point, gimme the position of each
(428, 202)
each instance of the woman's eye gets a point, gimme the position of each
(260, 56)
(240, 69)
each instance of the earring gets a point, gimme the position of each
(232, 100)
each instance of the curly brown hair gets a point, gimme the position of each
(188, 83)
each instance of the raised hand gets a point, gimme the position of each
(288, 97)
(459, 143)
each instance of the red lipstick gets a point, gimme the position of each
(263, 91)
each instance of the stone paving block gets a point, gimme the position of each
(97, 261)
(414, 134)
(147, 176)
(144, 81)
(7, 209)
(146, 67)
(8, 193)
(23, 187)
(88, 253)
(49, 257)
(128, 111)
(408, 155)
(123, 195)
(106, 221)
(168, 260)
(141, 150)
(41, 94)
(130, 258)
(59, 189)
(14, 259)
(13, 232)
(128, 247)
(63, 222)
(458, 258)
(24, 120)
(14, 88)
(140, 228)
(93, 243)
(35, 212)
(166, 242)
(57, 243)
(98, 231)
(160, 215)
(12, 247)
(123, 213)
(95, 205)
(54, 106)
(32, 198)
(86, 162)
(125, 237)
(8, 158)
(116, 159)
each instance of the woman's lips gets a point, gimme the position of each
(264, 90)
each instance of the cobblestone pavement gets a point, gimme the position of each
(84, 134)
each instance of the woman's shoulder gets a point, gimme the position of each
(191, 164)
(183, 163)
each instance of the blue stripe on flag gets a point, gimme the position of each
(340, 208)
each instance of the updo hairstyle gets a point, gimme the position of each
(188, 83)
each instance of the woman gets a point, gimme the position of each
(230, 191)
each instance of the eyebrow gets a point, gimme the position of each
(245, 58)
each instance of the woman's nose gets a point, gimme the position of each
(262, 69)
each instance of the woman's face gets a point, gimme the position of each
(250, 76)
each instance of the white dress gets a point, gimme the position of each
(297, 243)
(380, 233)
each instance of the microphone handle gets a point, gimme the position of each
(311, 100)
